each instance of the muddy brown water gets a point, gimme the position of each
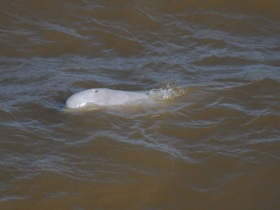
(216, 145)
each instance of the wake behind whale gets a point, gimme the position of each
(104, 98)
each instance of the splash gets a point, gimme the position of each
(168, 92)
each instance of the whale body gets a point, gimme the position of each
(103, 97)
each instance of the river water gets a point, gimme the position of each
(215, 144)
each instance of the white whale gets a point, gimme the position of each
(102, 97)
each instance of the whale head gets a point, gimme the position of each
(91, 96)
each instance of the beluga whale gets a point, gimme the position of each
(104, 97)
(97, 98)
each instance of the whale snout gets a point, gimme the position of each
(72, 103)
(81, 99)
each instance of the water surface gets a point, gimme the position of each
(213, 146)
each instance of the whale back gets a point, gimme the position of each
(104, 97)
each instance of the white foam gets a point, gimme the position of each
(167, 93)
